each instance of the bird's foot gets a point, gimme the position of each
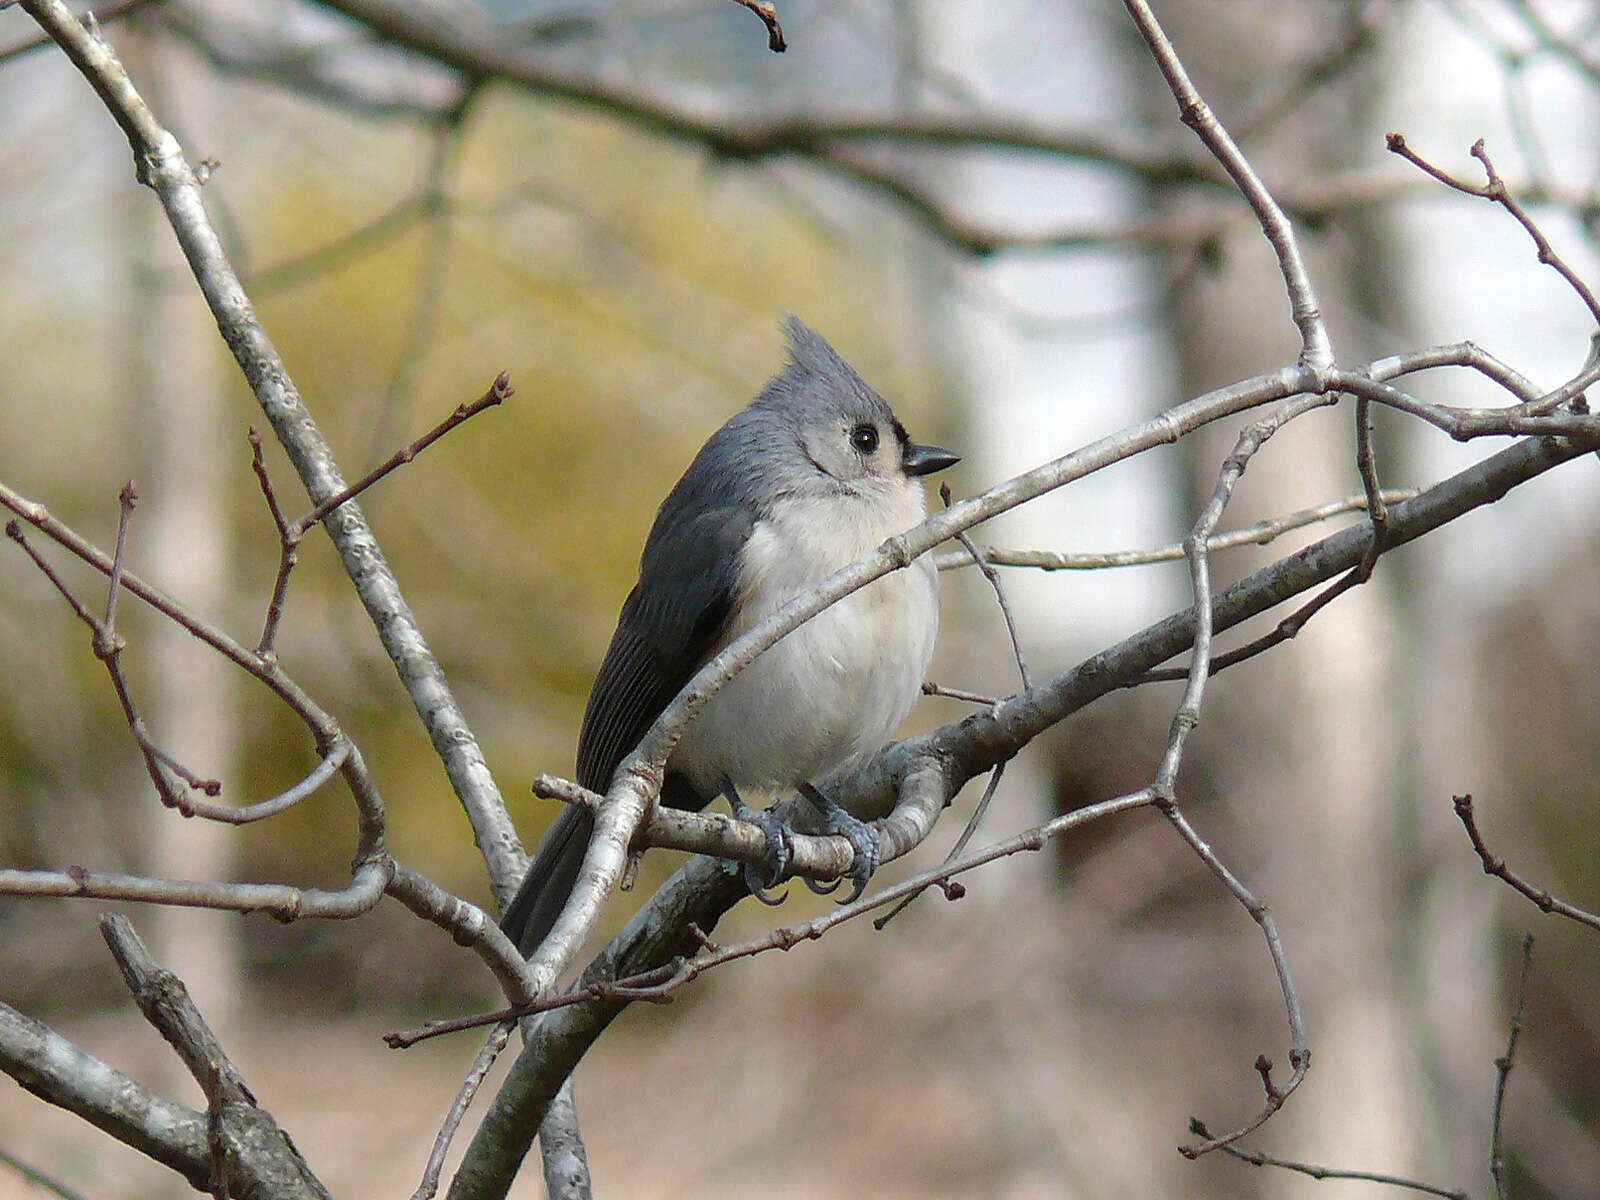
(779, 849)
(862, 839)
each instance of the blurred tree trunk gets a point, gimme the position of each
(190, 455)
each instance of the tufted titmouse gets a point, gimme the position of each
(815, 473)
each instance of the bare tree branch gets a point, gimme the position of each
(566, 1162)
(280, 54)
(59, 1073)
(1316, 351)
(478, 51)
(245, 1142)
(468, 924)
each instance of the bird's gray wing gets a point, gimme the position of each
(673, 619)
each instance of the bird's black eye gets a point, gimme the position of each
(864, 438)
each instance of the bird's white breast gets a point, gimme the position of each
(832, 692)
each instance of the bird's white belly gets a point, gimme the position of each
(831, 693)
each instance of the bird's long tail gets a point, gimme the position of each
(549, 881)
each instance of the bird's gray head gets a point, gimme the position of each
(816, 431)
(823, 430)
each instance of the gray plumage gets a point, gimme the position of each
(813, 474)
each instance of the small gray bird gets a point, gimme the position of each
(815, 473)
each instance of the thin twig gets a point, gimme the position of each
(993, 577)
(1494, 865)
(1259, 1159)
(1258, 534)
(1184, 721)
(487, 1054)
(292, 533)
(171, 777)
(929, 688)
(166, 773)
(1367, 468)
(1299, 1052)
(288, 550)
(373, 871)
(127, 498)
(246, 814)
(953, 890)
(1502, 1069)
(1495, 189)
(1375, 499)
(278, 900)
(1284, 631)
(14, 532)
(265, 669)
(499, 391)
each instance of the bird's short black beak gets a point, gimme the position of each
(925, 460)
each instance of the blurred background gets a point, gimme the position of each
(408, 228)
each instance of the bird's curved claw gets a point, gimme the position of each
(760, 880)
(822, 888)
(868, 854)
(752, 880)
